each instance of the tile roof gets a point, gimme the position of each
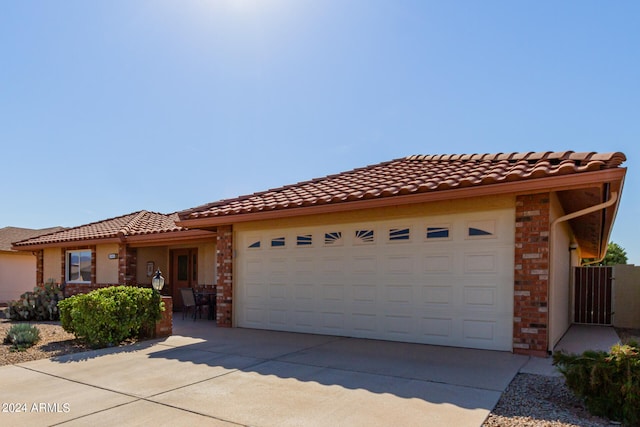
(411, 175)
(9, 235)
(133, 224)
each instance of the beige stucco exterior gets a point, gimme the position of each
(52, 264)
(386, 213)
(158, 255)
(626, 296)
(562, 261)
(17, 274)
(106, 269)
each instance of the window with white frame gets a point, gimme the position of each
(78, 266)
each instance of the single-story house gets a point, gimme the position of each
(458, 250)
(17, 268)
(127, 249)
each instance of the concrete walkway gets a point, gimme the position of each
(219, 377)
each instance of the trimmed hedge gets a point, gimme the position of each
(609, 383)
(108, 316)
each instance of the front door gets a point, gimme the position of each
(184, 273)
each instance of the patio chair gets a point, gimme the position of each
(189, 301)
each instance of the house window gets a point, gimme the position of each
(78, 266)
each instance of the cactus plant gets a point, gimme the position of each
(40, 304)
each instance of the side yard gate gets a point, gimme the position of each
(593, 295)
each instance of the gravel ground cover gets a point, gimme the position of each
(529, 401)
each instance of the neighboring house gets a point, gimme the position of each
(125, 250)
(17, 268)
(458, 250)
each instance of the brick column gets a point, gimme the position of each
(531, 285)
(224, 279)
(164, 327)
(127, 264)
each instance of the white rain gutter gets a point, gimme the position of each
(612, 200)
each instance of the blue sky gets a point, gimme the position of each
(109, 107)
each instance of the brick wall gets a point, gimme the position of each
(164, 327)
(127, 264)
(40, 267)
(531, 285)
(224, 279)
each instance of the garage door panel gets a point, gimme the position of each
(439, 296)
(440, 327)
(479, 330)
(437, 263)
(427, 280)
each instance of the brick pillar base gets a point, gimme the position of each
(224, 282)
(164, 327)
(531, 286)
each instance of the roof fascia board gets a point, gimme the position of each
(559, 183)
(176, 237)
(138, 240)
(68, 244)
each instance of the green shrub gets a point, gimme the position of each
(108, 316)
(609, 383)
(22, 336)
(40, 304)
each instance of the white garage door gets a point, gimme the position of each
(438, 280)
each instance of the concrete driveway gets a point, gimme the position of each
(221, 377)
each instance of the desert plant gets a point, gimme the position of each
(108, 316)
(22, 336)
(39, 304)
(609, 382)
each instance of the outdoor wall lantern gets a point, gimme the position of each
(158, 281)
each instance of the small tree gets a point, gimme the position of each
(615, 255)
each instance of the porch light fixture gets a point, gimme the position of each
(158, 281)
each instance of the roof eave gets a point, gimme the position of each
(556, 183)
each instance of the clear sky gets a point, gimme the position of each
(109, 107)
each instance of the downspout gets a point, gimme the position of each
(612, 200)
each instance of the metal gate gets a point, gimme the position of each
(592, 296)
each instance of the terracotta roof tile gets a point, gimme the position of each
(411, 175)
(136, 223)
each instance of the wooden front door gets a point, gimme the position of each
(184, 273)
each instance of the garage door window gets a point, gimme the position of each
(304, 240)
(437, 233)
(333, 239)
(255, 245)
(363, 237)
(278, 242)
(399, 234)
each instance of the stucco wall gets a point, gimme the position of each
(106, 269)
(386, 213)
(560, 280)
(159, 255)
(626, 297)
(17, 275)
(52, 265)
